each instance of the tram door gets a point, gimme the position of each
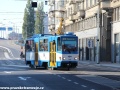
(36, 54)
(52, 54)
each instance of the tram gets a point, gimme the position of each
(52, 51)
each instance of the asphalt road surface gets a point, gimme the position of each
(15, 75)
(15, 49)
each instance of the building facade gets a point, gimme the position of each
(96, 23)
(115, 33)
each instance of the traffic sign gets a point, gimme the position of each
(90, 43)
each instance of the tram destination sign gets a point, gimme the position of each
(68, 38)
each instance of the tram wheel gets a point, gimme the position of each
(35, 67)
(31, 66)
(46, 66)
(55, 68)
(68, 68)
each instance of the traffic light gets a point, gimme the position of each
(34, 4)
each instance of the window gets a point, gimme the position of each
(95, 22)
(80, 25)
(119, 13)
(116, 44)
(83, 24)
(29, 46)
(114, 15)
(59, 48)
(32, 45)
(44, 45)
(69, 45)
(68, 12)
(86, 3)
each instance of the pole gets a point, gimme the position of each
(54, 16)
(6, 32)
(98, 33)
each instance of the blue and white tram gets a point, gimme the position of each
(53, 51)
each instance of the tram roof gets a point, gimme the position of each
(50, 35)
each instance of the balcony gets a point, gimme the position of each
(51, 2)
(72, 2)
(52, 14)
(105, 4)
(80, 13)
(78, 1)
(59, 14)
(72, 17)
(61, 8)
(49, 27)
(51, 9)
(52, 26)
(74, 11)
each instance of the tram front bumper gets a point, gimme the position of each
(70, 64)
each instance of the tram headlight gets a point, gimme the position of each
(75, 58)
(63, 58)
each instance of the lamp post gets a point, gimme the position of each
(98, 34)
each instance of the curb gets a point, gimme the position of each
(7, 50)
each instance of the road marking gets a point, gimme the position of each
(23, 78)
(7, 72)
(6, 55)
(63, 77)
(59, 76)
(48, 72)
(16, 65)
(92, 89)
(83, 86)
(75, 83)
(69, 80)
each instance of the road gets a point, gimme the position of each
(15, 75)
(12, 75)
(13, 47)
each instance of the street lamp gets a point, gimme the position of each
(98, 34)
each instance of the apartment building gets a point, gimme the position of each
(115, 32)
(91, 20)
(56, 11)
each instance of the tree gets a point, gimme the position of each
(39, 19)
(24, 27)
(29, 22)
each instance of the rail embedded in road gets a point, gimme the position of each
(7, 50)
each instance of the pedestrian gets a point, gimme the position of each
(21, 54)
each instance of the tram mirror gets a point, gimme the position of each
(58, 38)
(44, 41)
(53, 42)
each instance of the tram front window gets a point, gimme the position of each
(69, 46)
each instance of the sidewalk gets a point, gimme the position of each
(105, 64)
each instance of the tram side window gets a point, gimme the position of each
(44, 45)
(32, 45)
(59, 48)
(41, 45)
(28, 46)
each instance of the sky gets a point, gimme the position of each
(12, 9)
(12, 12)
